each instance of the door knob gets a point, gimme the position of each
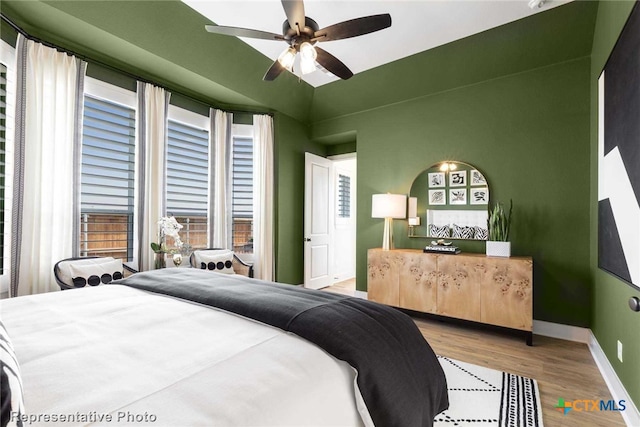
(306, 239)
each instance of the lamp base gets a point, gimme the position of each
(387, 236)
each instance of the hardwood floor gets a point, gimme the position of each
(563, 369)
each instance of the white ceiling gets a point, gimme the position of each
(417, 25)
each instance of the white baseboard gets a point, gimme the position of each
(563, 332)
(630, 415)
(361, 294)
(618, 392)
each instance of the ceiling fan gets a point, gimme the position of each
(302, 33)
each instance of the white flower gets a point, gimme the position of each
(168, 226)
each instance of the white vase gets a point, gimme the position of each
(502, 249)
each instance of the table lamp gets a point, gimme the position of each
(389, 207)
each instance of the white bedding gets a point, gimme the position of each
(148, 359)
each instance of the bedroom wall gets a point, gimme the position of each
(292, 140)
(612, 320)
(529, 134)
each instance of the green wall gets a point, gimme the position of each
(529, 134)
(611, 320)
(292, 140)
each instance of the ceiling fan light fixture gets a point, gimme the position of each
(307, 65)
(287, 58)
(307, 51)
(308, 57)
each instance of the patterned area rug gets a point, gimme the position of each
(480, 396)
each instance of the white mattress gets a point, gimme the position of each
(136, 356)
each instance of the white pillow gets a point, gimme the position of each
(95, 274)
(218, 260)
(64, 273)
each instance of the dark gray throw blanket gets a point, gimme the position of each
(399, 376)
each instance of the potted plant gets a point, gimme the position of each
(498, 224)
(167, 227)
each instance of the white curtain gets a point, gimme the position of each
(220, 167)
(263, 197)
(153, 107)
(48, 118)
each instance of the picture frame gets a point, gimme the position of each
(458, 196)
(477, 178)
(618, 148)
(479, 196)
(437, 197)
(458, 178)
(436, 179)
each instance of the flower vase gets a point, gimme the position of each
(159, 260)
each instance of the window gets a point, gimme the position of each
(344, 196)
(108, 172)
(7, 124)
(188, 177)
(242, 189)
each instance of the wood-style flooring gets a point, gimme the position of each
(563, 369)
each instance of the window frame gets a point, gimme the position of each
(202, 122)
(114, 94)
(244, 131)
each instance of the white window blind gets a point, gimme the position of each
(187, 180)
(344, 196)
(107, 179)
(242, 200)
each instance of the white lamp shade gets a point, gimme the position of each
(389, 206)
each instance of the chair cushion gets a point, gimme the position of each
(96, 273)
(219, 260)
(10, 381)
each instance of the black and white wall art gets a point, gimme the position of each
(619, 157)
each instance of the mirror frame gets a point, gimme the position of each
(465, 182)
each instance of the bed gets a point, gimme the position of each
(186, 347)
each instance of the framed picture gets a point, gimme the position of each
(458, 179)
(458, 196)
(479, 196)
(437, 197)
(436, 179)
(477, 178)
(618, 155)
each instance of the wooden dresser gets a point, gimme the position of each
(495, 291)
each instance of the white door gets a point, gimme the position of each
(318, 221)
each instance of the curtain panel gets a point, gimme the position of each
(47, 149)
(263, 197)
(220, 184)
(153, 111)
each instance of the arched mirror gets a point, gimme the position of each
(449, 200)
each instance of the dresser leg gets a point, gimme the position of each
(530, 339)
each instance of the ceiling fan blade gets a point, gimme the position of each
(294, 9)
(354, 27)
(332, 64)
(242, 32)
(273, 71)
